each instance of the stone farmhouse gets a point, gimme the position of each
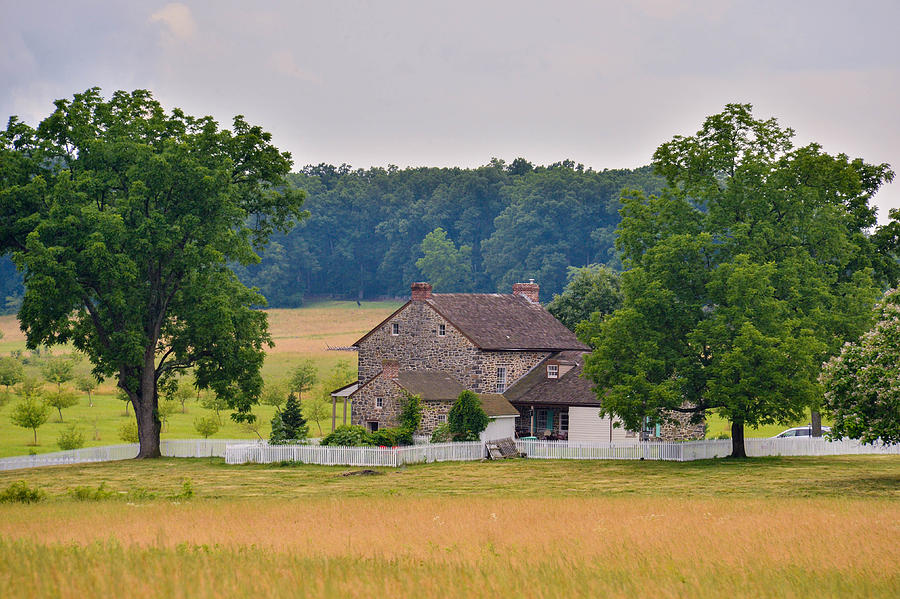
(522, 362)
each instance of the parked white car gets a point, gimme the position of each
(800, 431)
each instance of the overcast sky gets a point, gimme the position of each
(456, 83)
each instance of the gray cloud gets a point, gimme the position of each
(414, 83)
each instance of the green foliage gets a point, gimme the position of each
(58, 370)
(347, 436)
(128, 432)
(289, 425)
(124, 219)
(214, 402)
(467, 419)
(442, 434)
(11, 372)
(30, 413)
(317, 410)
(70, 438)
(410, 412)
(303, 377)
(447, 268)
(591, 289)
(87, 384)
(180, 392)
(274, 395)
(743, 276)
(30, 388)
(206, 426)
(61, 399)
(187, 491)
(167, 407)
(389, 437)
(20, 492)
(340, 374)
(86, 493)
(862, 383)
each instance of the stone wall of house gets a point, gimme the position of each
(434, 414)
(418, 346)
(678, 427)
(364, 405)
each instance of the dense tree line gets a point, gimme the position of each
(373, 231)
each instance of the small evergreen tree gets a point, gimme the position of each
(467, 418)
(295, 427)
(278, 435)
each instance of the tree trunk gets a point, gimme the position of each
(816, 422)
(146, 412)
(737, 439)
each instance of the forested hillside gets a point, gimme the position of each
(373, 231)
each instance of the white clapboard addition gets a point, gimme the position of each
(500, 427)
(586, 426)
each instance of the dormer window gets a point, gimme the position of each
(395, 328)
(442, 330)
(552, 371)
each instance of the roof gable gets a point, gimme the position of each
(569, 389)
(496, 321)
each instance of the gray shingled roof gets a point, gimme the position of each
(504, 322)
(430, 385)
(436, 385)
(569, 389)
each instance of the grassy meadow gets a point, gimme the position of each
(298, 334)
(786, 527)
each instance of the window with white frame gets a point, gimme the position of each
(442, 330)
(501, 379)
(395, 328)
(442, 418)
(379, 402)
(564, 421)
(552, 371)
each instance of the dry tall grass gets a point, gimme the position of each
(455, 547)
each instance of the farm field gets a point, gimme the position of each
(298, 334)
(787, 527)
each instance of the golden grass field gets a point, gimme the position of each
(800, 527)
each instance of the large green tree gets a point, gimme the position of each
(752, 266)
(444, 265)
(590, 289)
(123, 218)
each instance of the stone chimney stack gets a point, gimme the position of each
(421, 291)
(390, 368)
(529, 290)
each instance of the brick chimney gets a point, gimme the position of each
(529, 290)
(390, 369)
(421, 291)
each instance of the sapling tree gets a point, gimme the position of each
(207, 426)
(317, 410)
(31, 413)
(58, 370)
(11, 372)
(87, 384)
(303, 377)
(61, 399)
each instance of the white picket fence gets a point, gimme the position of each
(697, 450)
(354, 456)
(240, 451)
(175, 448)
